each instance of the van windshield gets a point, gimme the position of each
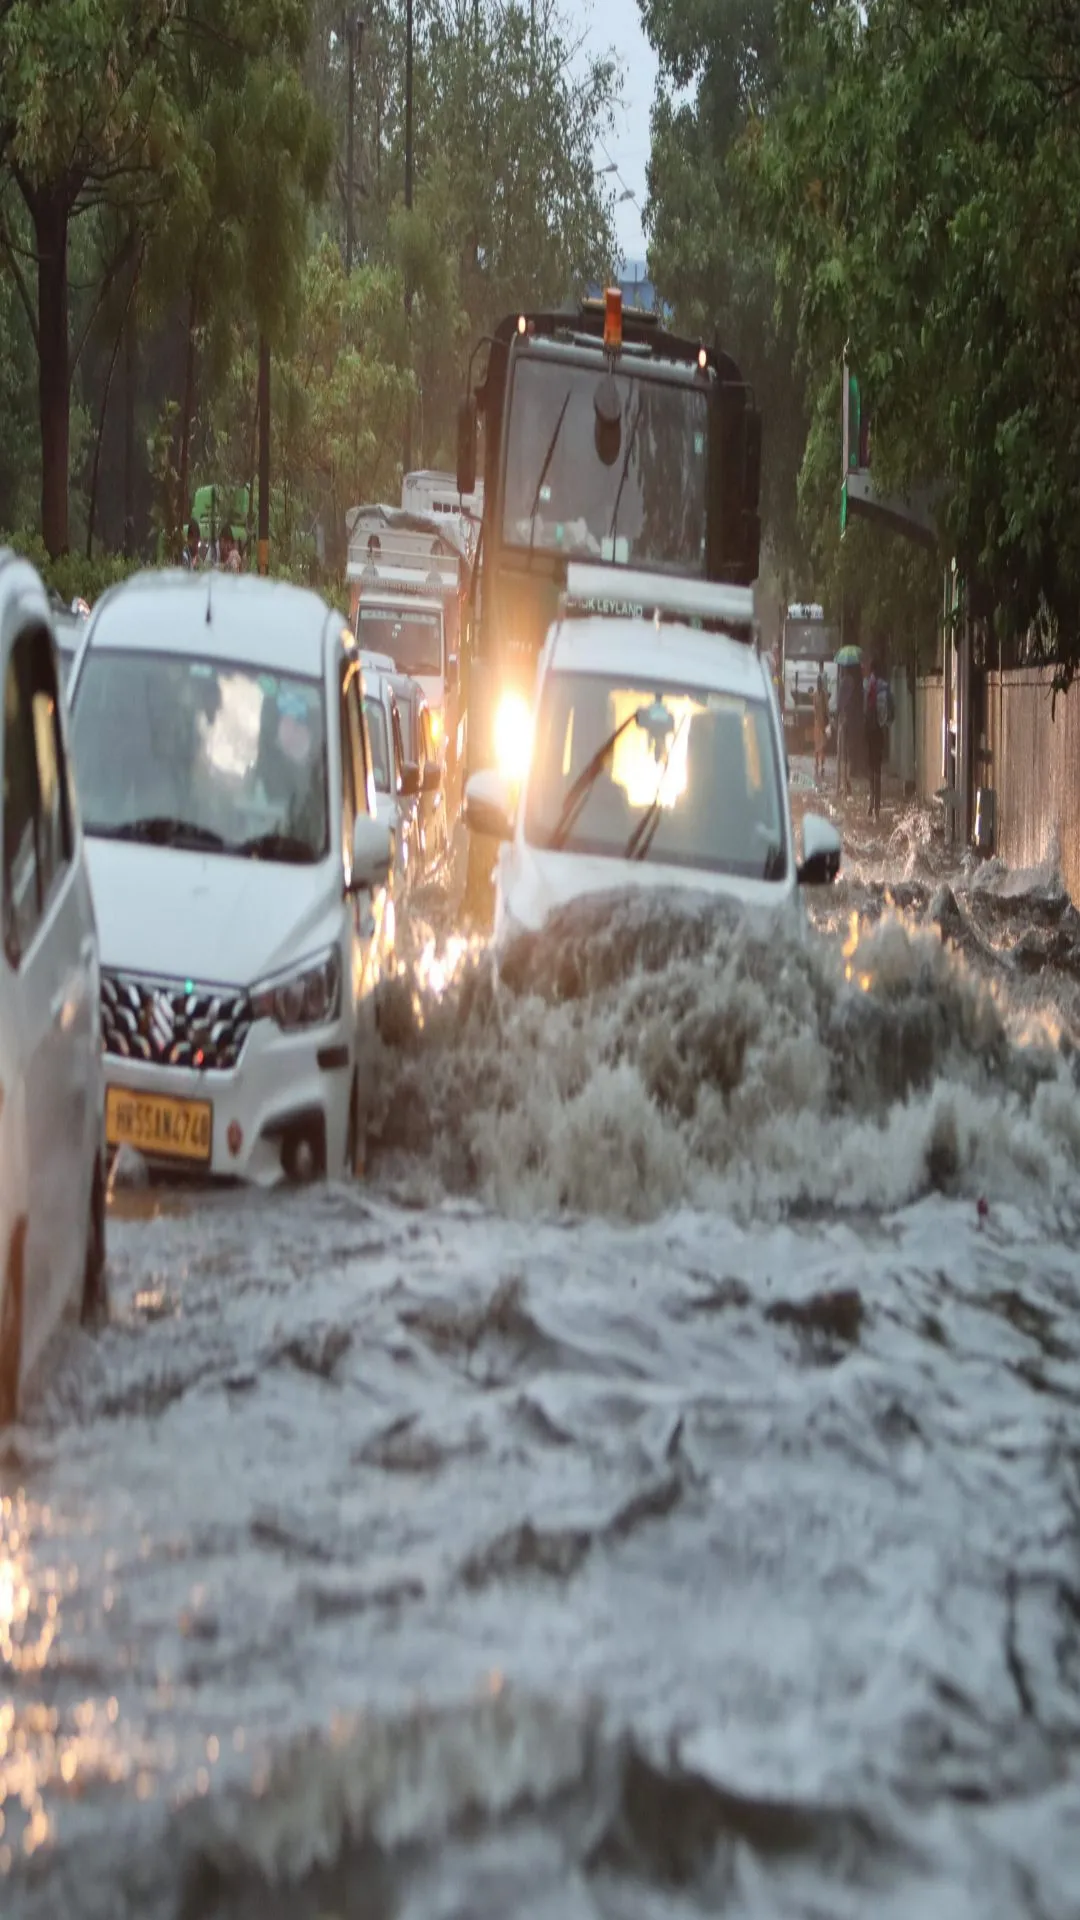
(412, 640)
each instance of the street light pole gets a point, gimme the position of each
(350, 35)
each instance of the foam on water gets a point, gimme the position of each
(632, 1058)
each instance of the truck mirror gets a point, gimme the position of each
(466, 445)
(607, 406)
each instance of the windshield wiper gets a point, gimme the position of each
(548, 458)
(774, 862)
(642, 837)
(583, 785)
(162, 830)
(277, 845)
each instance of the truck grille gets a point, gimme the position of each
(174, 1025)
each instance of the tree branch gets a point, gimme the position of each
(8, 249)
(116, 265)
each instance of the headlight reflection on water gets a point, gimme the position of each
(437, 966)
(45, 1754)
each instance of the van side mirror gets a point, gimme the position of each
(822, 850)
(466, 445)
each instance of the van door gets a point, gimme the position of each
(50, 942)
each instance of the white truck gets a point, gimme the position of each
(808, 642)
(429, 491)
(408, 574)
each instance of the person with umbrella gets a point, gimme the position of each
(848, 661)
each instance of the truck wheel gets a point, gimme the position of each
(479, 901)
(95, 1295)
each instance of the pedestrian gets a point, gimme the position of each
(821, 724)
(846, 710)
(189, 556)
(877, 700)
(232, 558)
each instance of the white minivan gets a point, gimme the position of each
(655, 762)
(239, 871)
(52, 1187)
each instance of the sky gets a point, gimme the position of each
(616, 25)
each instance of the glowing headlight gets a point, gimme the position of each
(309, 997)
(436, 726)
(513, 734)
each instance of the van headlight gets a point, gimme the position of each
(513, 735)
(308, 996)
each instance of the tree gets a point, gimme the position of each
(709, 252)
(922, 171)
(95, 100)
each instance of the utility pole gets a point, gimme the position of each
(354, 36)
(407, 451)
(264, 455)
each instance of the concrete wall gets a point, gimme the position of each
(929, 719)
(1033, 764)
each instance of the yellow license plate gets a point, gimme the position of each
(174, 1129)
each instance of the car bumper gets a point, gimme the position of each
(287, 1089)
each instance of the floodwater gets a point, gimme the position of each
(654, 1491)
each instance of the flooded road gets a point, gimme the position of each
(655, 1491)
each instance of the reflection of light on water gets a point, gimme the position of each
(850, 945)
(438, 967)
(44, 1753)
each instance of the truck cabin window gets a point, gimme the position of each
(566, 494)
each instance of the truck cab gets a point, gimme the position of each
(607, 440)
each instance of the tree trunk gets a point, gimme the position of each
(91, 515)
(49, 213)
(189, 405)
(131, 385)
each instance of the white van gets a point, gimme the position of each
(52, 1178)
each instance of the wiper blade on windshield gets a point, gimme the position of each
(775, 863)
(162, 830)
(642, 837)
(543, 473)
(583, 785)
(277, 846)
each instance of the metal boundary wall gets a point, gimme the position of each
(1032, 761)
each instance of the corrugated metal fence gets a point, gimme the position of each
(1033, 764)
(1030, 760)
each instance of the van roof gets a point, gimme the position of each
(210, 615)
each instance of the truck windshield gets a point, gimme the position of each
(413, 640)
(810, 640)
(647, 509)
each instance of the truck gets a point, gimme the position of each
(408, 574)
(807, 642)
(431, 491)
(609, 439)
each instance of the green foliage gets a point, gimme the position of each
(921, 172)
(192, 160)
(71, 576)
